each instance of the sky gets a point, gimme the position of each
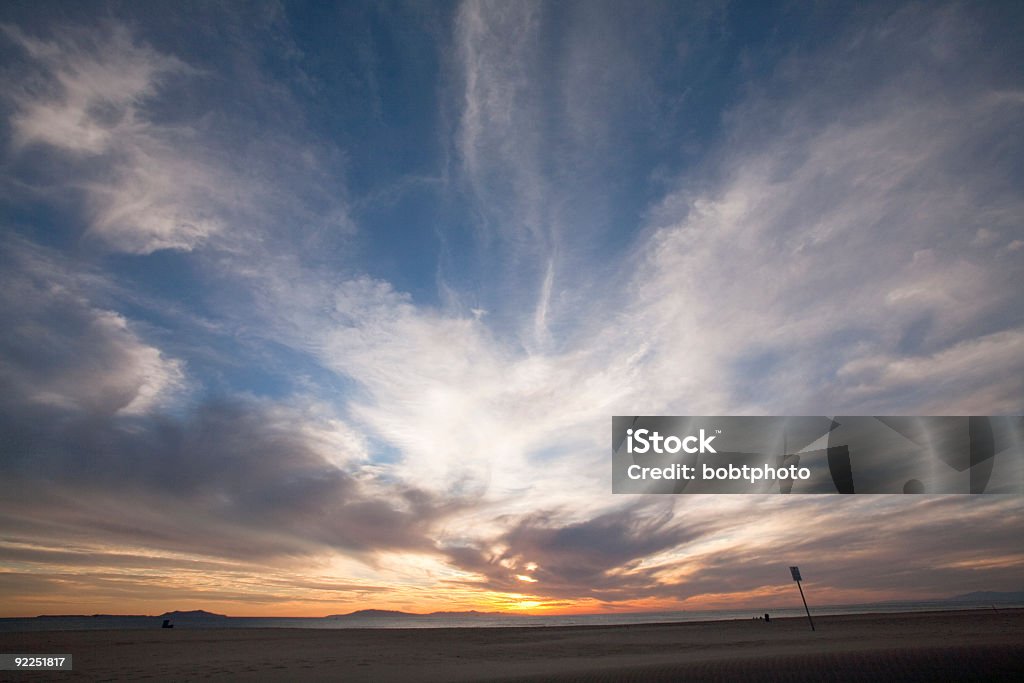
(315, 307)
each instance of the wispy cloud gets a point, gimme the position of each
(839, 236)
(822, 262)
(500, 143)
(91, 102)
(152, 182)
(842, 240)
(92, 88)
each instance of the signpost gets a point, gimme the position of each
(795, 571)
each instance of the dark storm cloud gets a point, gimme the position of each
(229, 479)
(85, 455)
(891, 545)
(932, 547)
(596, 557)
(61, 350)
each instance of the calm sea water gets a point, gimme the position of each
(471, 620)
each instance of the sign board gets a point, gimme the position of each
(795, 571)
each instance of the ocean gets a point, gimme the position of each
(469, 620)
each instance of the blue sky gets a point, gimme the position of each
(345, 294)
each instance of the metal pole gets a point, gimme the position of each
(805, 605)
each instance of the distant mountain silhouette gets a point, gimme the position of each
(192, 614)
(989, 596)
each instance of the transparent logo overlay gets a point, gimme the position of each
(818, 454)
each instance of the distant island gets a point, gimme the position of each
(192, 614)
(177, 614)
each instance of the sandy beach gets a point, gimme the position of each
(974, 645)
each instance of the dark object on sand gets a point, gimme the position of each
(766, 617)
(913, 486)
(167, 624)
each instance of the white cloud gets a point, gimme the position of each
(100, 82)
(834, 260)
(500, 141)
(156, 190)
(62, 350)
(977, 376)
(841, 239)
(161, 200)
(827, 268)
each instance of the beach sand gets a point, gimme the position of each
(975, 645)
